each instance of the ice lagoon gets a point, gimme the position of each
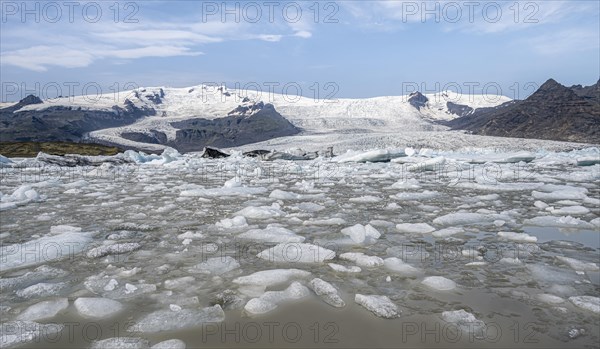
(469, 249)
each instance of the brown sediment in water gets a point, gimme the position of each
(312, 324)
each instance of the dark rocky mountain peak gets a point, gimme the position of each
(553, 112)
(417, 100)
(31, 99)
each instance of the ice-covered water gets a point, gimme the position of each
(163, 249)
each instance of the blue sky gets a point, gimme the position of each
(361, 48)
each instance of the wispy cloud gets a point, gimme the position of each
(76, 45)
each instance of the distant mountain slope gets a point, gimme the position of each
(553, 112)
(193, 117)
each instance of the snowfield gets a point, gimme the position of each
(170, 243)
(372, 120)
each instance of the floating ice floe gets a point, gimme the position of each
(121, 343)
(379, 155)
(17, 333)
(42, 289)
(415, 196)
(296, 253)
(327, 292)
(328, 221)
(262, 212)
(170, 344)
(439, 283)
(97, 308)
(466, 321)
(272, 233)
(168, 320)
(521, 237)
(368, 199)
(271, 299)
(559, 222)
(285, 195)
(564, 194)
(588, 161)
(20, 196)
(398, 266)
(232, 223)
(419, 228)
(216, 265)
(360, 233)
(362, 259)
(40, 273)
(578, 265)
(587, 302)
(549, 298)
(266, 278)
(43, 250)
(381, 306)
(342, 269)
(44, 310)
(427, 165)
(570, 210)
(118, 248)
(442, 233)
(464, 218)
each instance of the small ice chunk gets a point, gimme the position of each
(576, 264)
(296, 253)
(564, 194)
(329, 221)
(170, 344)
(398, 266)
(327, 292)
(442, 233)
(439, 283)
(178, 283)
(190, 235)
(571, 210)
(342, 269)
(167, 320)
(216, 265)
(362, 259)
(266, 278)
(359, 233)
(587, 302)
(121, 343)
(232, 223)
(560, 222)
(272, 234)
(41, 290)
(368, 199)
(421, 228)
(453, 219)
(271, 299)
(262, 212)
(97, 308)
(381, 306)
(521, 237)
(549, 298)
(44, 310)
(466, 321)
(118, 248)
(541, 205)
(284, 195)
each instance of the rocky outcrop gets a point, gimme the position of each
(231, 131)
(60, 123)
(458, 109)
(417, 100)
(553, 112)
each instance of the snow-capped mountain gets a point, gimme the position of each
(193, 117)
